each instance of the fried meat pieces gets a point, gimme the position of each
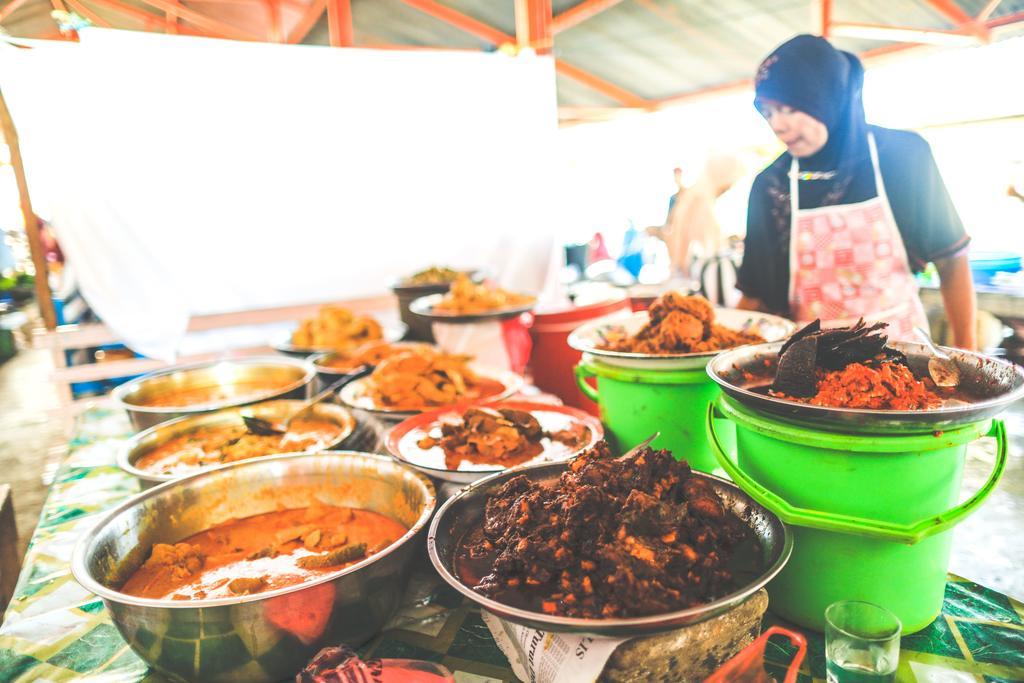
(615, 537)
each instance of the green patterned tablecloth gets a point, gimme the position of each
(55, 631)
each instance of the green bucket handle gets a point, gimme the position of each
(829, 521)
(583, 371)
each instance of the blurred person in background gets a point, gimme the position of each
(839, 223)
(693, 232)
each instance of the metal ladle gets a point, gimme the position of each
(261, 427)
(943, 370)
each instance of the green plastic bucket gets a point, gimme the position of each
(873, 516)
(635, 403)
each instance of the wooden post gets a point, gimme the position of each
(10, 563)
(44, 298)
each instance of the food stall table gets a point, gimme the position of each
(56, 631)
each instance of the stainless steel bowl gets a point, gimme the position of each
(991, 384)
(465, 511)
(266, 636)
(327, 375)
(392, 331)
(150, 439)
(286, 377)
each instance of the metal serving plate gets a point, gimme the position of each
(466, 510)
(993, 385)
(401, 440)
(405, 287)
(266, 636)
(354, 395)
(286, 377)
(392, 331)
(591, 335)
(424, 306)
(146, 441)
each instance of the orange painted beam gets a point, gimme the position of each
(533, 25)
(275, 33)
(951, 11)
(497, 37)
(9, 8)
(201, 20)
(987, 10)
(81, 10)
(600, 85)
(149, 21)
(58, 5)
(1006, 20)
(461, 21)
(339, 23)
(867, 57)
(579, 13)
(959, 18)
(307, 22)
(825, 8)
(172, 21)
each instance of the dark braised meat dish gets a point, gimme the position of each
(850, 367)
(502, 436)
(615, 537)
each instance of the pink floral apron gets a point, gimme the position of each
(848, 261)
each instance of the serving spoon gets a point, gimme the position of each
(643, 444)
(941, 367)
(261, 427)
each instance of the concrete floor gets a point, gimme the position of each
(988, 547)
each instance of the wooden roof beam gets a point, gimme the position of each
(579, 13)
(600, 85)
(201, 20)
(960, 19)
(497, 37)
(149, 21)
(339, 23)
(461, 21)
(307, 22)
(9, 8)
(987, 10)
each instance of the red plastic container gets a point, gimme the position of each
(552, 360)
(748, 665)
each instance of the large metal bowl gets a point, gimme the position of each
(266, 636)
(283, 377)
(465, 511)
(392, 331)
(146, 441)
(990, 383)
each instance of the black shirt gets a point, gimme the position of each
(928, 222)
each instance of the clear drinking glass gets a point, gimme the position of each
(862, 643)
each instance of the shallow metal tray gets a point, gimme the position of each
(424, 307)
(466, 510)
(991, 383)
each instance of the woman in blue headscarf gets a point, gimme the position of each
(838, 224)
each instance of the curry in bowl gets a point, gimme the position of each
(223, 443)
(190, 396)
(262, 552)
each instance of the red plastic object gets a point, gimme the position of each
(748, 665)
(552, 360)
